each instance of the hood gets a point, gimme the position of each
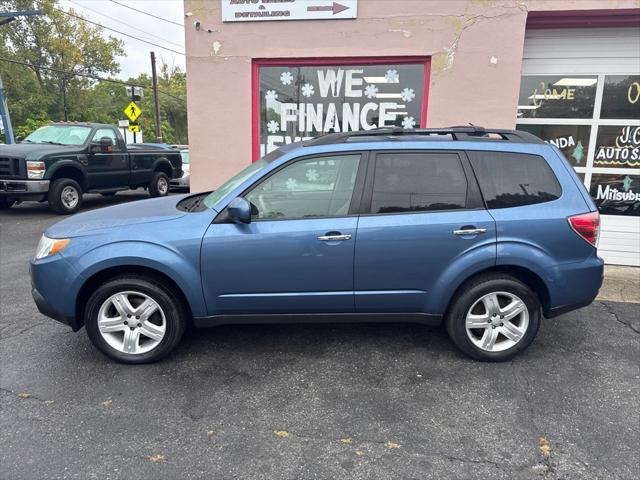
(130, 213)
(33, 151)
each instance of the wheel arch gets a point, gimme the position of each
(163, 165)
(68, 170)
(525, 275)
(104, 275)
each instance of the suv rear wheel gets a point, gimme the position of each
(65, 196)
(159, 185)
(493, 317)
(135, 319)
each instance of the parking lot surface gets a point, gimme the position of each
(363, 401)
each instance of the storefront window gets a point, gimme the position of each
(616, 194)
(303, 101)
(617, 146)
(572, 140)
(598, 133)
(621, 97)
(558, 96)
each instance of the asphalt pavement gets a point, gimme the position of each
(365, 401)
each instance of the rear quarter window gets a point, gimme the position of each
(514, 179)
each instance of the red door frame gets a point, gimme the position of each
(326, 62)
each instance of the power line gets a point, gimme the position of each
(86, 75)
(117, 31)
(146, 13)
(125, 24)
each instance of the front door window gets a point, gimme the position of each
(310, 188)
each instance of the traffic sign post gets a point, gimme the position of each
(132, 111)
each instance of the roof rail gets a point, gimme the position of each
(469, 133)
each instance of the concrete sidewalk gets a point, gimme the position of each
(621, 284)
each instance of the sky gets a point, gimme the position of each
(121, 18)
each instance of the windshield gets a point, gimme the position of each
(217, 195)
(60, 135)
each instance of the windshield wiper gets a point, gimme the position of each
(195, 204)
(52, 143)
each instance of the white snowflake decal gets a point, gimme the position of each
(407, 94)
(291, 183)
(312, 175)
(307, 90)
(272, 126)
(371, 91)
(271, 96)
(392, 76)
(408, 122)
(286, 78)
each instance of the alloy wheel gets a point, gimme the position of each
(497, 321)
(131, 322)
(163, 185)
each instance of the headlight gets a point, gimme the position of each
(35, 170)
(48, 246)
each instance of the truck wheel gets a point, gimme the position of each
(65, 196)
(159, 185)
(5, 204)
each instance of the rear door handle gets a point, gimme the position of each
(333, 238)
(470, 231)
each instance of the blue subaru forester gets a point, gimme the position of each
(485, 231)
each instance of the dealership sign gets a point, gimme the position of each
(262, 10)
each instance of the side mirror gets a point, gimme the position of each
(18, 139)
(239, 210)
(105, 145)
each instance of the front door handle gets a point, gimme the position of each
(470, 231)
(333, 238)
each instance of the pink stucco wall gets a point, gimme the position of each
(475, 48)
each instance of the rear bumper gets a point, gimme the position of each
(577, 286)
(24, 189)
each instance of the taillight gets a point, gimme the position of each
(587, 225)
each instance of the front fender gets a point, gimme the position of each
(181, 268)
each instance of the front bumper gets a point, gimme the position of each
(24, 189)
(50, 281)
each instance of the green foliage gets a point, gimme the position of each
(66, 44)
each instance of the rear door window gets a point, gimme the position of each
(418, 182)
(514, 179)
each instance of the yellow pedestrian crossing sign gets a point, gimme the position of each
(134, 128)
(132, 111)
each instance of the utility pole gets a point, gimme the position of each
(8, 17)
(156, 100)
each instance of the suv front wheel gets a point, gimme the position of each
(493, 317)
(135, 319)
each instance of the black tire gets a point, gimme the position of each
(474, 290)
(60, 187)
(159, 185)
(175, 315)
(5, 203)
(108, 194)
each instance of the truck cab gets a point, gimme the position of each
(61, 161)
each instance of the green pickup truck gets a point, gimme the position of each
(61, 161)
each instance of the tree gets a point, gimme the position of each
(64, 50)
(54, 43)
